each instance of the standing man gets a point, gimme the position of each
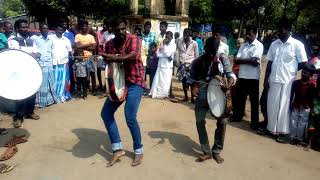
(196, 36)
(223, 47)
(125, 48)
(200, 76)
(249, 58)
(46, 94)
(22, 41)
(163, 29)
(86, 42)
(8, 29)
(285, 57)
(188, 51)
(3, 38)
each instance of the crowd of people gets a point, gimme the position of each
(71, 60)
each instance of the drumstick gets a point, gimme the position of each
(85, 57)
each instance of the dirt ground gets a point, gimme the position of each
(70, 142)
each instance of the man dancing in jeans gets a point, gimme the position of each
(125, 48)
(203, 69)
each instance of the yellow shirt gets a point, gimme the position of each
(85, 39)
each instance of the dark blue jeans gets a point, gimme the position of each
(152, 73)
(132, 103)
(25, 107)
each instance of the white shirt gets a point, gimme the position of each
(106, 36)
(247, 51)
(60, 50)
(187, 55)
(285, 58)
(13, 44)
(164, 53)
(223, 49)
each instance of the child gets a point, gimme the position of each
(314, 122)
(152, 61)
(301, 98)
(81, 73)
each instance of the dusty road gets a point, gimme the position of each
(70, 142)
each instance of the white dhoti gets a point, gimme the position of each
(161, 82)
(278, 107)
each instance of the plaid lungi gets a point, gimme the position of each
(46, 95)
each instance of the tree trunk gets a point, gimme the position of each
(240, 29)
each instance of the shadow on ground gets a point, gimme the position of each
(13, 131)
(181, 143)
(93, 142)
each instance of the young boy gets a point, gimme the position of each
(152, 61)
(301, 98)
(81, 73)
(314, 121)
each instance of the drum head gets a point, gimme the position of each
(216, 98)
(20, 75)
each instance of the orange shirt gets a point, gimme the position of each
(85, 39)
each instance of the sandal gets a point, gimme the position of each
(116, 157)
(137, 160)
(16, 140)
(3, 131)
(9, 153)
(4, 168)
(218, 158)
(204, 157)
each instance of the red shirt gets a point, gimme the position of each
(302, 93)
(133, 68)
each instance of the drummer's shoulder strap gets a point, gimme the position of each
(28, 43)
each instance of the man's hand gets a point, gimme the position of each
(230, 82)
(236, 60)
(195, 89)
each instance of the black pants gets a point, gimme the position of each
(25, 107)
(247, 87)
(82, 84)
(71, 75)
(93, 81)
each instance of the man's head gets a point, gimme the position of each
(186, 34)
(251, 33)
(168, 37)
(83, 26)
(153, 47)
(163, 26)
(119, 26)
(137, 31)
(1, 27)
(176, 35)
(217, 32)
(147, 27)
(8, 28)
(211, 46)
(284, 27)
(44, 30)
(307, 71)
(21, 26)
(315, 50)
(239, 42)
(60, 30)
(195, 34)
(107, 25)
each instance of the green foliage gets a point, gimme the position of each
(11, 8)
(200, 11)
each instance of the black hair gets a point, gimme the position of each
(153, 44)
(177, 34)
(107, 22)
(187, 31)
(117, 21)
(217, 29)
(147, 23)
(251, 28)
(165, 23)
(285, 23)
(169, 33)
(212, 44)
(18, 23)
(1, 24)
(81, 23)
(309, 68)
(59, 26)
(6, 22)
(42, 24)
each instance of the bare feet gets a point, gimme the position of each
(218, 158)
(116, 157)
(137, 160)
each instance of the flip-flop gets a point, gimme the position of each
(9, 153)
(203, 158)
(116, 157)
(217, 158)
(4, 168)
(16, 140)
(137, 160)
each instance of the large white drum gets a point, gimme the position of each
(20, 75)
(216, 98)
(115, 76)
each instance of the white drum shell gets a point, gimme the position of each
(216, 98)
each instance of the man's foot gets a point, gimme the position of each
(33, 116)
(116, 157)
(17, 122)
(254, 129)
(185, 100)
(282, 139)
(3, 131)
(204, 157)
(137, 160)
(217, 158)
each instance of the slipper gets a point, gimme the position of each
(3, 131)
(204, 157)
(16, 140)
(4, 168)
(137, 160)
(116, 157)
(9, 153)
(218, 158)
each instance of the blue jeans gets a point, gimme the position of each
(133, 100)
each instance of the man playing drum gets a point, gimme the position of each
(124, 48)
(205, 68)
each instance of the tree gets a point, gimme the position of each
(11, 8)
(200, 11)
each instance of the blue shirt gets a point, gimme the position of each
(200, 45)
(148, 39)
(45, 48)
(3, 41)
(70, 36)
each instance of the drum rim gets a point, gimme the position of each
(21, 51)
